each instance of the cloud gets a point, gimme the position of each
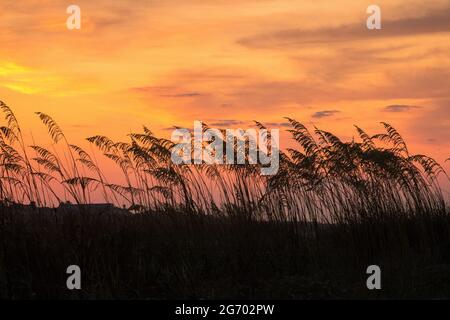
(277, 124)
(399, 108)
(422, 83)
(344, 62)
(166, 91)
(224, 123)
(182, 95)
(432, 22)
(325, 113)
(149, 89)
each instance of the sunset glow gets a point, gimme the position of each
(165, 63)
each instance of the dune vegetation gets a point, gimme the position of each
(210, 231)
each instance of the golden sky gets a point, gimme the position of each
(227, 62)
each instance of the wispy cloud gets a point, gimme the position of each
(182, 95)
(227, 122)
(433, 22)
(148, 89)
(166, 91)
(325, 113)
(277, 124)
(399, 108)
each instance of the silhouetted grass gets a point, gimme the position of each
(211, 231)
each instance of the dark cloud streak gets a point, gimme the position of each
(324, 114)
(399, 108)
(433, 22)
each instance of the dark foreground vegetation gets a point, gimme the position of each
(310, 231)
(177, 255)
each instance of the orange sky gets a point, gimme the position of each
(227, 62)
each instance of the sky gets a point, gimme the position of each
(162, 63)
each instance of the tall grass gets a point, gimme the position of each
(333, 208)
(324, 180)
